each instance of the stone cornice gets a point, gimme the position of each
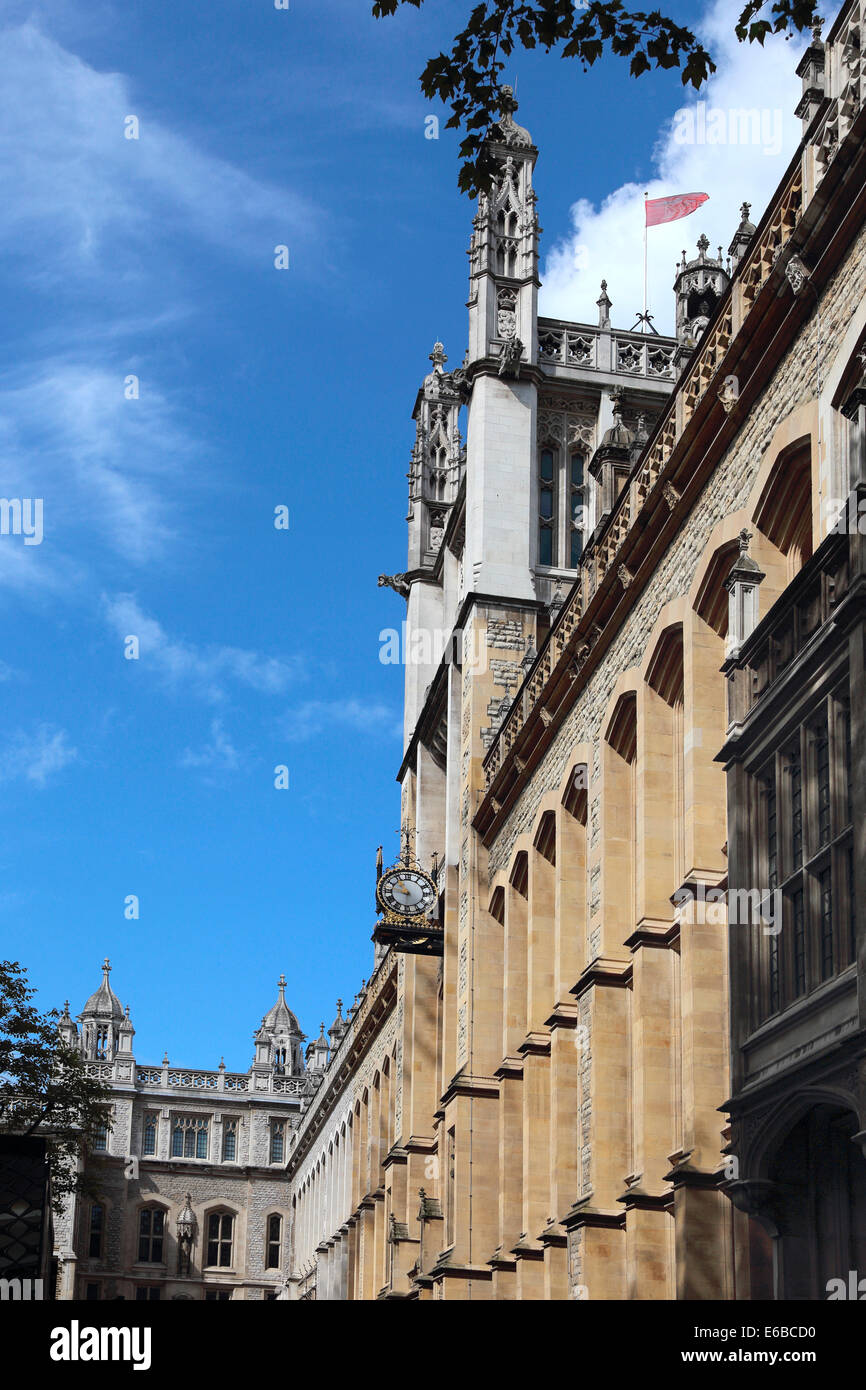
(463, 1084)
(564, 1015)
(535, 1045)
(604, 970)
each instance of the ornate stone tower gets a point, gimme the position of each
(106, 1030)
(503, 353)
(279, 1040)
(699, 285)
(437, 462)
(503, 252)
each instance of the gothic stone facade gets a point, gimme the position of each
(539, 1113)
(188, 1196)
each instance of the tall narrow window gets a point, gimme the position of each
(278, 1140)
(577, 518)
(275, 1236)
(799, 925)
(230, 1140)
(150, 1132)
(852, 915)
(796, 774)
(97, 1226)
(822, 771)
(547, 550)
(220, 1231)
(100, 1134)
(825, 889)
(772, 845)
(151, 1235)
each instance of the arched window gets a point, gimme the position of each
(100, 1134)
(278, 1140)
(151, 1129)
(561, 507)
(230, 1141)
(576, 510)
(189, 1136)
(151, 1235)
(547, 480)
(274, 1242)
(220, 1239)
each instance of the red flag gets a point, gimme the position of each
(671, 209)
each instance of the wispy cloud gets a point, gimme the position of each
(66, 163)
(315, 716)
(220, 755)
(104, 465)
(606, 241)
(36, 756)
(204, 670)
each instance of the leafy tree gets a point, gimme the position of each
(469, 77)
(44, 1086)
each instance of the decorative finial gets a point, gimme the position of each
(507, 102)
(817, 25)
(281, 985)
(604, 304)
(126, 1012)
(744, 537)
(106, 967)
(165, 1059)
(339, 1008)
(745, 210)
(703, 244)
(222, 1065)
(437, 357)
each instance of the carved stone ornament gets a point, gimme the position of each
(797, 275)
(510, 353)
(397, 582)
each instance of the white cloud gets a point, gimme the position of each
(102, 464)
(606, 242)
(314, 716)
(35, 756)
(73, 185)
(220, 755)
(206, 670)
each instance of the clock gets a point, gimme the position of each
(408, 892)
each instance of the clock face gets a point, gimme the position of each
(407, 891)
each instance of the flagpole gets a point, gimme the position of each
(645, 196)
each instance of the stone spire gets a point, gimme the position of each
(278, 1038)
(101, 1020)
(503, 252)
(699, 285)
(604, 306)
(742, 236)
(337, 1030)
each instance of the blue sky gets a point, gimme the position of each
(258, 387)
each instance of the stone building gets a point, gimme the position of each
(634, 643)
(189, 1192)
